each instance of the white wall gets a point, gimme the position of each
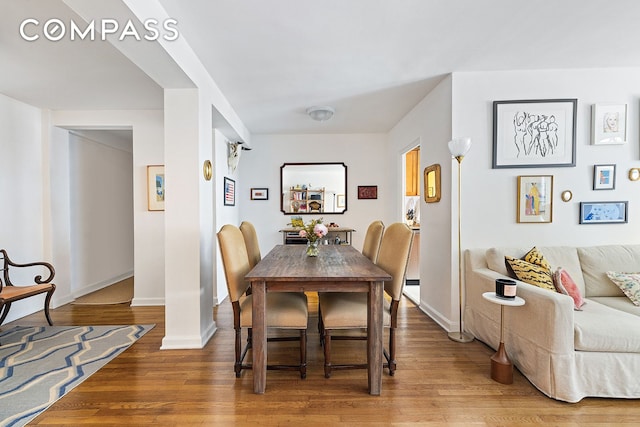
(101, 180)
(21, 192)
(367, 164)
(489, 203)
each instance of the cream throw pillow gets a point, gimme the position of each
(629, 283)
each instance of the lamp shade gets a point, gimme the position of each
(320, 114)
(459, 146)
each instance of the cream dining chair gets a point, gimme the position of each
(284, 310)
(372, 240)
(348, 311)
(251, 242)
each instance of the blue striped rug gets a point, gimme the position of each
(39, 365)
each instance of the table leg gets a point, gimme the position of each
(501, 366)
(375, 333)
(259, 339)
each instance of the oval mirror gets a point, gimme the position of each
(634, 174)
(566, 195)
(432, 184)
(313, 188)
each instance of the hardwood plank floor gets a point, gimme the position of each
(438, 382)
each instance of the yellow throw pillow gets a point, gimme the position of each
(531, 273)
(534, 256)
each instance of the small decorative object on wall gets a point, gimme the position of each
(604, 177)
(603, 212)
(233, 155)
(634, 174)
(207, 170)
(155, 187)
(229, 192)
(566, 195)
(340, 201)
(534, 133)
(535, 199)
(259, 194)
(367, 191)
(432, 183)
(608, 124)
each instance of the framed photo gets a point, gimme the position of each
(535, 199)
(534, 133)
(604, 177)
(367, 191)
(259, 194)
(608, 124)
(340, 201)
(229, 192)
(155, 187)
(603, 212)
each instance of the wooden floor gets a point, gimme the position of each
(438, 382)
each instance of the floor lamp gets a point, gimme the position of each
(458, 148)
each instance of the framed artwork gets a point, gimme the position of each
(535, 199)
(534, 133)
(155, 187)
(367, 191)
(608, 124)
(432, 184)
(603, 212)
(340, 201)
(259, 194)
(604, 177)
(229, 192)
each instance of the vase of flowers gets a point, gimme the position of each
(313, 231)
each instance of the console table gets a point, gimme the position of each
(290, 236)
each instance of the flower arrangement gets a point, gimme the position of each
(313, 231)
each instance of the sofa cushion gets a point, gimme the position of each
(597, 260)
(619, 303)
(629, 283)
(605, 329)
(531, 273)
(566, 285)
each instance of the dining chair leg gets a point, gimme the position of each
(303, 353)
(237, 366)
(327, 353)
(392, 351)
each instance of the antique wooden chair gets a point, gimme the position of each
(10, 292)
(348, 311)
(285, 310)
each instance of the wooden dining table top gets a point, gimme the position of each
(289, 263)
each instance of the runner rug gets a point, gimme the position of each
(39, 365)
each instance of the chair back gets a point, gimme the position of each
(372, 240)
(251, 242)
(234, 259)
(394, 256)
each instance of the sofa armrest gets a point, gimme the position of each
(546, 319)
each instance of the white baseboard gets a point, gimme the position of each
(189, 342)
(147, 302)
(437, 317)
(100, 285)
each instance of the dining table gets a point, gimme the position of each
(337, 268)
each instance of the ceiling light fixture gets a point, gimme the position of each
(320, 114)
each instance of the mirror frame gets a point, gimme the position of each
(313, 164)
(432, 169)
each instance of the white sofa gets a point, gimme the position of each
(566, 354)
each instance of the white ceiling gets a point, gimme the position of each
(372, 60)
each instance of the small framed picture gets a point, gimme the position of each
(604, 177)
(367, 191)
(155, 187)
(259, 194)
(229, 192)
(340, 201)
(603, 212)
(608, 124)
(535, 199)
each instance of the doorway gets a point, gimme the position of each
(411, 213)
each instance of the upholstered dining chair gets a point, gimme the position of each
(284, 310)
(372, 240)
(348, 311)
(251, 242)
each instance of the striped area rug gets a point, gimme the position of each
(39, 365)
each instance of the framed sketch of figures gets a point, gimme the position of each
(608, 124)
(534, 133)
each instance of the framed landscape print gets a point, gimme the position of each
(259, 194)
(534, 133)
(603, 212)
(608, 124)
(155, 187)
(535, 199)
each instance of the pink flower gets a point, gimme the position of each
(320, 230)
(303, 233)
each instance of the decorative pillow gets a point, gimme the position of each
(534, 256)
(530, 273)
(629, 283)
(565, 285)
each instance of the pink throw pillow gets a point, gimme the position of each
(565, 284)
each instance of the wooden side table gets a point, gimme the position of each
(501, 366)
